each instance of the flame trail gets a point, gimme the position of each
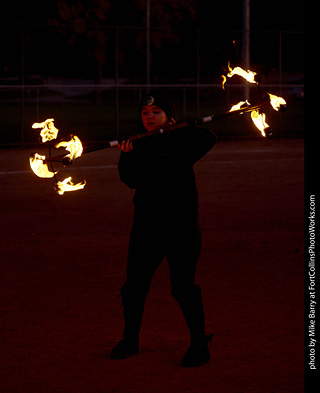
(247, 75)
(39, 167)
(66, 185)
(48, 132)
(239, 105)
(259, 120)
(276, 101)
(74, 146)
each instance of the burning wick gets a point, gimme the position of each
(278, 103)
(48, 132)
(74, 146)
(247, 75)
(259, 120)
(239, 105)
(39, 167)
(66, 185)
(38, 163)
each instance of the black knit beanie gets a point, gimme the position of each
(159, 99)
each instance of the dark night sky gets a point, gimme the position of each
(270, 15)
(220, 15)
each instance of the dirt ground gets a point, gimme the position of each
(63, 262)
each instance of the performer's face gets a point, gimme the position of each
(153, 117)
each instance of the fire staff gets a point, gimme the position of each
(165, 224)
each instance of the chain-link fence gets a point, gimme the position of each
(90, 81)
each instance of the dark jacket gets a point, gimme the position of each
(160, 169)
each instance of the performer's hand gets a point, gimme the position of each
(171, 121)
(125, 145)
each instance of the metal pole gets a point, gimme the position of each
(117, 80)
(280, 77)
(245, 49)
(22, 87)
(172, 127)
(280, 62)
(184, 104)
(198, 72)
(148, 43)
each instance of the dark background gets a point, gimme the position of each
(219, 24)
(271, 15)
(63, 258)
(53, 63)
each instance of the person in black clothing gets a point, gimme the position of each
(160, 169)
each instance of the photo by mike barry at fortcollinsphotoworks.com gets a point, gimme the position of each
(311, 287)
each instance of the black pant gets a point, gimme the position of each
(176, 237)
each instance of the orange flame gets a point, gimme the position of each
(39, 167)
(247, 75)
(259, 120)
(276, 101)
(37, 162)
(48, 132)
(224, 80)
(239, 105)
(66, 185)
(74, 146)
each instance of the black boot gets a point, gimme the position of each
(190, 302)
(133, 307)
(124, 349)
(198, 353)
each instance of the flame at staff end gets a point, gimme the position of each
(48, 132)
(66, 185)
(247, 75)
(259, 120)
(39, 167)
(74, 146)
(38, 163)
(278, 103)
(239, 105)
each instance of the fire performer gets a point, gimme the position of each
(160, 169)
